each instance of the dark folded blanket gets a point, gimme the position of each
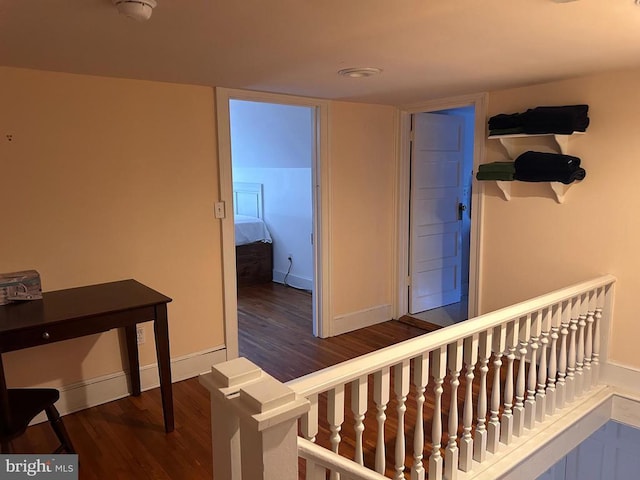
(563, 120)
(563, 177)
(545, 162)
(555, 119)
(548, 167)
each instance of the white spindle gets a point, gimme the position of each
(420, 380)
(518, 408)
(571, 356)
(309, 430)
(335, 417)
(588, 344)
(401, 389)
(438, 371)
(597, 320)
(309, 422)
(451, 453)
(506, 424)
(493, 428)
(466, 442)
(541, 394)
(553, 359)
(480, 442)
(359, 409)
(561, 384)
(582, 323)
(530, 402)
(381, 389)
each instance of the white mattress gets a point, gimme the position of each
(251, 229)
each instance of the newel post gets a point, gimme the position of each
(254, 423)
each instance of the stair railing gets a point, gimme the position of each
(431, 406)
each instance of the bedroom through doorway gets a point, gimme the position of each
(272, 159)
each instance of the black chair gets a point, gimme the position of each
(18, 406)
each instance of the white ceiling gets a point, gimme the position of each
(427, 48)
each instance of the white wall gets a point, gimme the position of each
(273, 145)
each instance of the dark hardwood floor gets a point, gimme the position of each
(275, 332)
(125, 439)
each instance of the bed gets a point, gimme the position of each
(254, 249)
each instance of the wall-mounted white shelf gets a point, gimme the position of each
(505, 188)
(518, 143)
(559, 189)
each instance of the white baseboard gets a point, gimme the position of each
(620, 376)
(99, 390)
(363, 318)
(626, 402)
(626, 409)
(293, 280)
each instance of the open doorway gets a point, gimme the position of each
(272, 182)
(272, 158)
(272, 152)
(440, 221)
(439, 227)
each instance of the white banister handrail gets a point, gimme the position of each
(350, 370)
(334, 462)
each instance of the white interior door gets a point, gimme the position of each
(437, 155)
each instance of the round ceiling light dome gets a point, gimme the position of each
(359, 72)
(137, 9)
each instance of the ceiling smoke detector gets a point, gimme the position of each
(139, 10)
(359, 72)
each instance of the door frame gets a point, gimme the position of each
(479, 102)
(320, 202)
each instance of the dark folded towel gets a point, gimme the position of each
(563, 177)
(538, 162)
(506, 176)
(556, 119)
(508, 167)
(505, 121)
(506, 131)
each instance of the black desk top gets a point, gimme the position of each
(78, 303)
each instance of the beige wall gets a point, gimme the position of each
(108, 179)
(362, 181)
(533, 245)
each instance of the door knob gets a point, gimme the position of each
(461, 208)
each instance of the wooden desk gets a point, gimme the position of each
(76, 312)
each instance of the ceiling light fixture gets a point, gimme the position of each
(139, 10)
(359, 72)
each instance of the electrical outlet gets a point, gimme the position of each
(140, 334)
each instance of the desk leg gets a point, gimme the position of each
(134, 363)
(161, 329)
